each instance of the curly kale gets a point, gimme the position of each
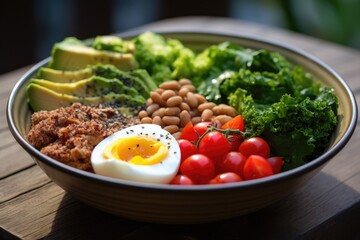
(298, 127)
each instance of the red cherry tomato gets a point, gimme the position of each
(214, 145)
(189, 133)
(235, 140)
(257, 167)
(276, 163)
(199, 168)
(193, 132)
(237, 123)
(228, 177)
(186, 148)
(181, 180)
(232, 162)
(202, 127)
(255, 146)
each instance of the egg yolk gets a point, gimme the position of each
(139, 150)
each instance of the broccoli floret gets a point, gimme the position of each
(113, 44)
(163, 58)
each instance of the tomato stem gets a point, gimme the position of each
(226, 132)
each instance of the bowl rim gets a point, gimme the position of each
(315, 163)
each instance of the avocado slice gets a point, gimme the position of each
(42, 98)
(64, 76)
(144, 76)
(72, 54)
(138, 79)
(93, 86)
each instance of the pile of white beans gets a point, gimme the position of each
(175, 103)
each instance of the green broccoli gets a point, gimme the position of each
(164, 58)
(113, 44)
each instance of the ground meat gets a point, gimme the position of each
(70, 134)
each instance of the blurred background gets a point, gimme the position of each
(30, 28)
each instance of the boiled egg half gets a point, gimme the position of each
(142, 153)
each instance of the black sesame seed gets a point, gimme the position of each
(137, 145)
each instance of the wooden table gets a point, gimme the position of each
(328, 207)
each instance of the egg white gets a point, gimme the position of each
(162, 172)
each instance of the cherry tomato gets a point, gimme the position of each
(214, 145)
(192, 133)
(187, 148)
(202, 127)
(237, 123)
(235, 140)
(199, 168)
(232, 162)
(189, 133)
(257, 167)
(181, 180)
(255, 146)
(228, 177)
(276, 163)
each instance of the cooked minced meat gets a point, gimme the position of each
(69, 134)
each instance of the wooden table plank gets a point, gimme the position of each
(18, 220)
(61, 212)
(13, 159)
(6, 138)
(15, 185)
(321, 206)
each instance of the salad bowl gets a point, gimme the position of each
(199, 203)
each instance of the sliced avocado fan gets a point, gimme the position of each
(103, 70)
(138, 79)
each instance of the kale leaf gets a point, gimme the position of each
(297, 128)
